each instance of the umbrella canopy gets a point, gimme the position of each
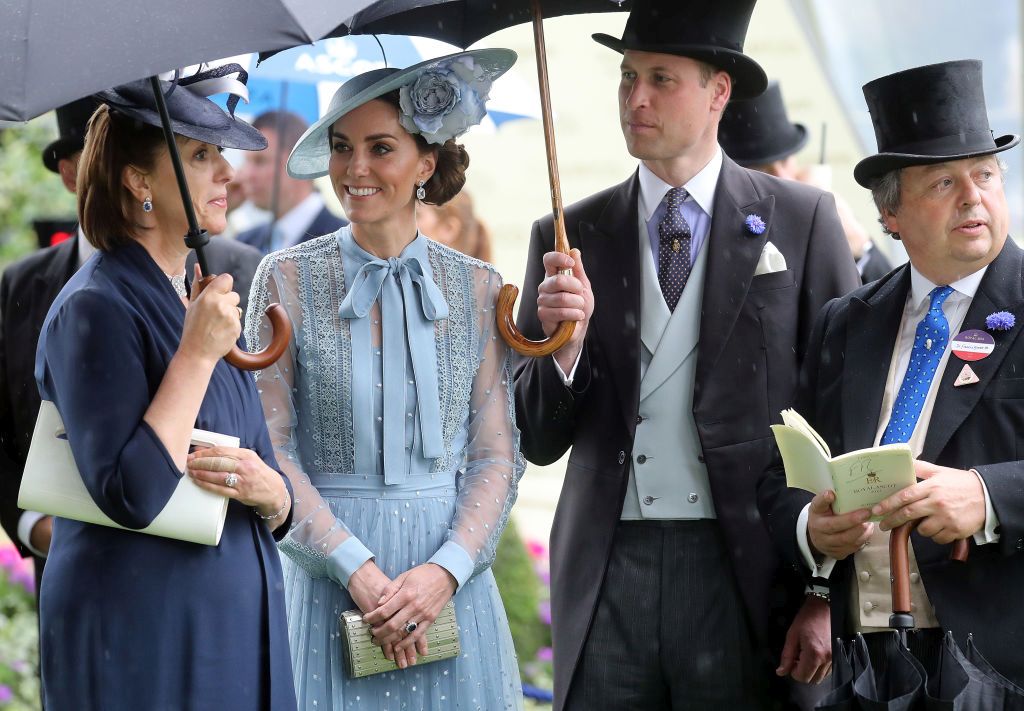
(463, 22)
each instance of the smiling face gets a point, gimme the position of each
(207, 174)
(952, 217)
(376, 164)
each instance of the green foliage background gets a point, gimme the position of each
(27, 189)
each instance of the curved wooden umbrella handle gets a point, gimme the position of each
(514, 337)
(899, 571)
(281, 328)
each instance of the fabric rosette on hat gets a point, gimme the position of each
(440, 99)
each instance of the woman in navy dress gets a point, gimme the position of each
(133, 621)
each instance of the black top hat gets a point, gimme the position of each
(192, 114)
(926, 115)
(71, 123)
(757, 131)
(709, 30)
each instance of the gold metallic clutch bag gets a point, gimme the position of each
(364, 658)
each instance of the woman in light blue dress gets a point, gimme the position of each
(392, 411)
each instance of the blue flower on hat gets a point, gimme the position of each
(1000, 321)
(755, 225)
(445, 101)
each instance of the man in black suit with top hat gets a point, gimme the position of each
(898, 361)
(701, 284)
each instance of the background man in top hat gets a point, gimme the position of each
(27, 288)
(664, 581)
(757, 134)
(880, 370)
(297, 209)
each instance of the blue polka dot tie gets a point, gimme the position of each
(674, 240)
(929, 344)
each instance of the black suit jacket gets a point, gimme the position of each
(877, 266)
(224, 255)
(27, 288)
(978, 426)
(752, 335)
(325, 223)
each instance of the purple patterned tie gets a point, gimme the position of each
(674, 240)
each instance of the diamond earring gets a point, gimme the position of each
(147, 205)
(420, 192)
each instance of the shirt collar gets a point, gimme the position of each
(921, 286)
(85, 249)
(701, 187)
(293, 224)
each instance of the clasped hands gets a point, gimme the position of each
(417, 595)
(949, 502)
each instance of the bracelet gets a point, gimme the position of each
(818, 591)
(280, 511)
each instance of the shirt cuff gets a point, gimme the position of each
(346, 559)
(453, 558)
(818, 570)
(988, 533)
(26, 522)
(567, 379)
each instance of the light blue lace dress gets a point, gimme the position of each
(391, 413)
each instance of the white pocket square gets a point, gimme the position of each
(770, 261)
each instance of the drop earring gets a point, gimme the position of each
(420, 192)
(147, 205)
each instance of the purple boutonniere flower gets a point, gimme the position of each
(755, 225)
(1000, 321)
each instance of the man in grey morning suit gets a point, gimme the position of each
(664, 581)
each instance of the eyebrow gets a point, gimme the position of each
(375, 137)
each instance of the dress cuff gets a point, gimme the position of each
(26, 522)
(567, 379)
(818, 570)
(346, 559)
(453, 558)
(988, 533)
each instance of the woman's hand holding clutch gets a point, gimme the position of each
(242, 475)
(367, 586)
(409, 605)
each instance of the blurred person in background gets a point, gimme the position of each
(455, 224)
(297, 209)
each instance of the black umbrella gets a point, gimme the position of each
(53, 52)
(463, 22)
(897, 680)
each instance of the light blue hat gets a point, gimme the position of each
(440, 99)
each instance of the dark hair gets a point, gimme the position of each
(113, 142)
(287, 126)
(452, 161)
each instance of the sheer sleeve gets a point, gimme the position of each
(488, 482)
(318, 541)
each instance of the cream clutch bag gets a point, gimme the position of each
(364, 658)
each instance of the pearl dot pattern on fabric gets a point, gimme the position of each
(930, 342)
(674, 239)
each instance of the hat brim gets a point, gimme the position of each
(221, 129)
(749, 79)
(796, 141)
(60, 149)
(311, 155)
(872, 167)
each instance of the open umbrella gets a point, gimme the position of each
(463, 22)
(899, 681)
(54, 52)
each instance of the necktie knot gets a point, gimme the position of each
(938, 295)
(675, 197)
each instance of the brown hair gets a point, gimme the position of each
(288, 127)
(113, 142)
(473, 237)
(452, 161)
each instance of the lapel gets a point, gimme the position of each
(732, 257)
(61, 267)
(871, 331)
(679, 337)
(654, 313)
(1000, 290)
(611, 252)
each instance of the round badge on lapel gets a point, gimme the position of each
(973, 345)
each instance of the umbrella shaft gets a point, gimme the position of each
(196, 238)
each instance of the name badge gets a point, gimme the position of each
(973, 345)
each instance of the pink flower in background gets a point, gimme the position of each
(9, 556)
(544, 654)
(5, 694)
(544, 610)
(19, 571)
(537, 550)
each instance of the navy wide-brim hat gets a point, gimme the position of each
(757, 131)
(928, 115)
(711, 31)
(192, 115)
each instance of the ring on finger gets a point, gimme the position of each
(410, 627)
(240, 312)
(231, 480)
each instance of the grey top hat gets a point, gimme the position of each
(441, 98)
(192, 114)
(926, 115)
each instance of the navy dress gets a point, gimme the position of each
(132, 621)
